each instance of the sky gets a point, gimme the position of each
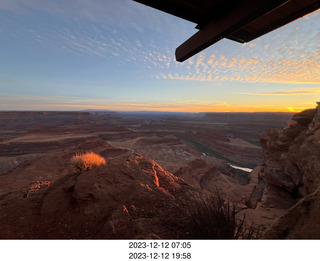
(120, 55)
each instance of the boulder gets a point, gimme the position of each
(300, 221)
(305, 117)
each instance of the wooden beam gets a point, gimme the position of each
(243, 36)
(246, 12)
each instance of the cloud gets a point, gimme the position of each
(287, 55)
(296, 91)
(304, 68)
(34, 102)
(90, 10)
(112, 31)
(132, 31)
(18, 102)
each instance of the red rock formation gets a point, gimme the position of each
(290, 178)
(214, 178)
(132, 198)
(300, 221)
(54, 164)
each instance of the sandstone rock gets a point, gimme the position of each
(300, 222)
(268, 139)
(292, 157)
(256, 188)
(289, 175)
(219, 178)
(52, 166)
(131, 197)
(305, 117)
(276, 141)
(304, 153)
(315, 124)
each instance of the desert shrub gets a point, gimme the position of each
(213, 218)
(37, 185)
(86, 161)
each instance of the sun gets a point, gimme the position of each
(291, 109)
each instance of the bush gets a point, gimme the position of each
(86, 161)
(212, 218)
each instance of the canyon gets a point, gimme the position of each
(158, 165)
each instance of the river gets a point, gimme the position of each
(244, 169)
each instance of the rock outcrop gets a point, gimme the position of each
(52, 165)
(132, 197)
(289, 181)
(300, 221)
(214, 178)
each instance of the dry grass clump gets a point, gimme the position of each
(38, 185)
(213, 218)
(86, 161)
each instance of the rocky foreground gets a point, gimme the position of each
(130, 198)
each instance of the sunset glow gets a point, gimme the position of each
(119, 55)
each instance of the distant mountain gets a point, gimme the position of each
(102, 111)
(161, 113)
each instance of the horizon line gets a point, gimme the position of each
(145, 111)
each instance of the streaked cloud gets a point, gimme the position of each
(10, 102)
(296, 91)
(99, 28)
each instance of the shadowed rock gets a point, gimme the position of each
(305, 117)
(130, 198)
(289, 179)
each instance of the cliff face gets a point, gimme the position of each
(290, 177)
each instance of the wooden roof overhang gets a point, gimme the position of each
(238, 20)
